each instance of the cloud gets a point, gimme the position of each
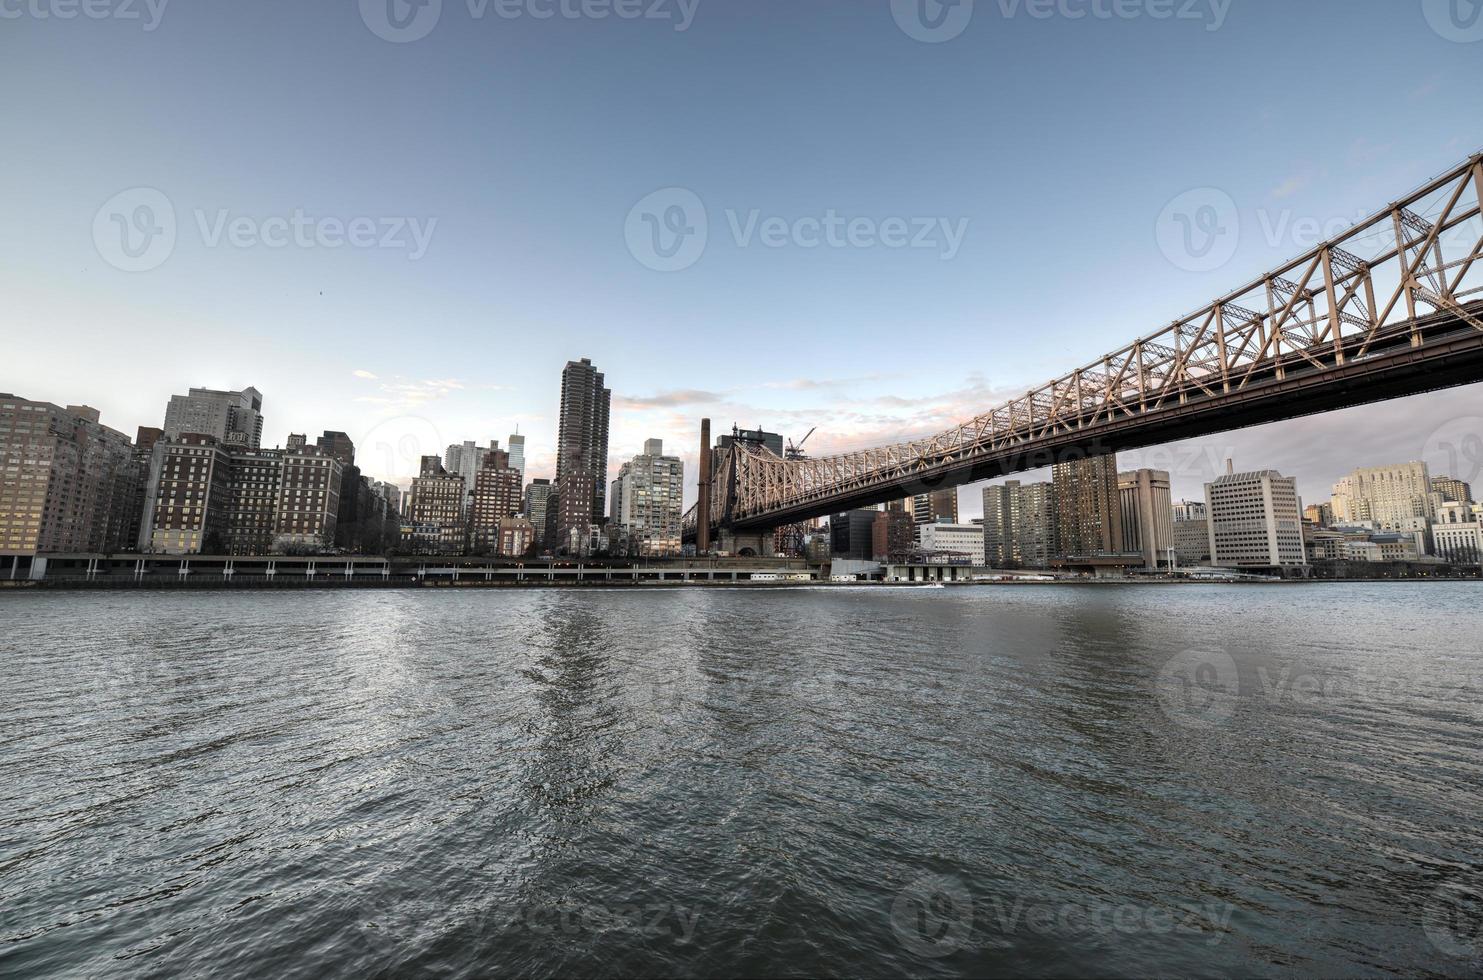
(668, 399)
(403, 395)
(1291, 186)
(364, 374)
(820, 384)
(1427, 88)
(1364, 150)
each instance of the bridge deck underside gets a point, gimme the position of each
(1451, 355)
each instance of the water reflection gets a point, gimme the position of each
(930, 782)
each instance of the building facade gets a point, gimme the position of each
(1190, 510)
(939, 505)
(1019, 525)
(190, 496)
(218, 414)
(1191, 537)
(1457, 535)
(1452, 490)
(851, 534)
(943, 538)
(255, 481)
(1386, 496)
(892, 536)
(435, 510)
(66, 479)
(537, 496)
(582, 436)
(1256, 519)
(517, 537)
(516, 443)
(647, 500)
(496, 497)
(771, 441)
(1088, 507)
(569, 513)
(1147, 515)
(308, 499)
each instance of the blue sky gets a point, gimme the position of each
(1030, 157)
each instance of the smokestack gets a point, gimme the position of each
(1230, 467)
(703, 505)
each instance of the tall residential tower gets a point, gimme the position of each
(582, 437)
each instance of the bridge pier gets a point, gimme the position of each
(757, 543)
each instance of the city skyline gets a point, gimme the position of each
(1316, 450)
(528, 264)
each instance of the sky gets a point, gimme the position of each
(871, 219)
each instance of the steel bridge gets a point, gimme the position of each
(1391, 307)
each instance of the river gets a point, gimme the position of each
(1027, 780)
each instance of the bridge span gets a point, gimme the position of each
(1391, 307)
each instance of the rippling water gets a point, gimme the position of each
(1029, 780)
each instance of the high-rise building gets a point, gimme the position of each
(435, 509)
(1386, 496)
(939, 505)
(190, 496)
(1452, 490)
(771, 441)
(132, 500)
(1191, 537)
(1147, 515)
(1019, 525)
(537, 496)
(465, 459)
(851, 534)
(338, 445)
(582, 436)
(569, 512)
(308, 498)
(892, 536)
(517, 455)
(64, 479)
(647, 500)
(496, 497)
(1001, 516)
(209, 412)
(1256, 519)
(1088, 508)
(1035, 530)
(255, 481)
(1320, 515)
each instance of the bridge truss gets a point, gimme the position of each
(1392, 306)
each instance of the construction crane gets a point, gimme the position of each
(796, 452)
(788, 539)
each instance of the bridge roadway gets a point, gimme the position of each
(1451, 355)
